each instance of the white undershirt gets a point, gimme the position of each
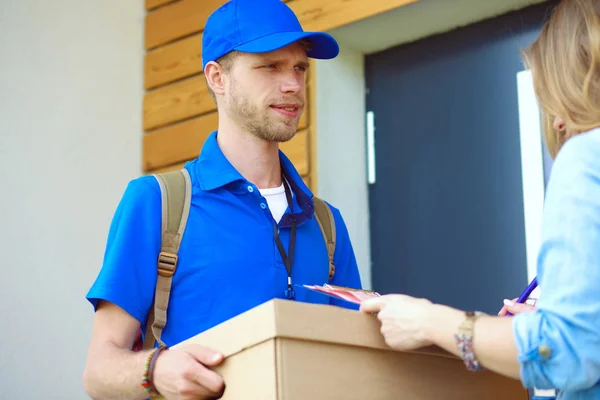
(276, 201)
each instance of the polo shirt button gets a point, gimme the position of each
(544, 351)
(250, 189)
(263, 206)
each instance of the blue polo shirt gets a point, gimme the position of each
(228, 259)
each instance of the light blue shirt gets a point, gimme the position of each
(559, 344)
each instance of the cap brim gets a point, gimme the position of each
(324, 46)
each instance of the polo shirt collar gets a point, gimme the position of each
(213, 168)
(215, 171)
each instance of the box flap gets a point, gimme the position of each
(301, 321)
(330, 324)
(241, 332)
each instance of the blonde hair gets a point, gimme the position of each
(565, 66)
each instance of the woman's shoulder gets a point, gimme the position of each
(581, 145)
(581, 152)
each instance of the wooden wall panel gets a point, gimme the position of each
(181, 19)
(151, 4)
(176, 143)
(178, 112)
(167, 150)
(169, 63)
(178, 20)
(297, 151)
(182, 141)
(311, 110)
(181, 100)
(187, 17)
(320, 15)
(304, 119)
(183, 58)
(168, 168)
(305, 178)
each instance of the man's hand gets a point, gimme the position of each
(515, 308)
(184, 373)
(113, 371)
(403, 319)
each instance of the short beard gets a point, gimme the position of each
(256, 123)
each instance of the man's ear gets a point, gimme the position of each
(215, 77)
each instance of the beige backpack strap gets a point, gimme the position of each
(326, 222)
(176, 195)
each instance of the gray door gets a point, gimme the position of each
(447, 206)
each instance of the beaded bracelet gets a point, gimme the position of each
(464, 340)
(465, 348)
(149, 369)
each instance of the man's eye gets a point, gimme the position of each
(301, 68)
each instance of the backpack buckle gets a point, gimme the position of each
(167, 262)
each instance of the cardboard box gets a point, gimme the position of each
(284, 350)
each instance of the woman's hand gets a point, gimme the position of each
(515, 308)
(404, 319)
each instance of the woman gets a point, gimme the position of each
(557, 344)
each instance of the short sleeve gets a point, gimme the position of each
(128, 274)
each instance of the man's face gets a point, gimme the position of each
(266, 92)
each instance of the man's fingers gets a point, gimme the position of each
(204, 355)
(209, 379)
(200, 380)
(191, 389)
(202, 375)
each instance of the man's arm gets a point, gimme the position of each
(113, 371)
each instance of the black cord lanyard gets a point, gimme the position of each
(287, 258)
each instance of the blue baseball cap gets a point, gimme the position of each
(259, 26)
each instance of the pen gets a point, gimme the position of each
(525, 295)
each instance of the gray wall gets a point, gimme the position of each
(341, 161)
(71, 87)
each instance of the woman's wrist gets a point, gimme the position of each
(441, 325)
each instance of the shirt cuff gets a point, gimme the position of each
(534, 351)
